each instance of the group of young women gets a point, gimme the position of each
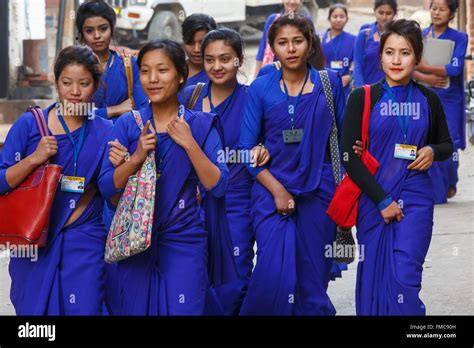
(210, 212)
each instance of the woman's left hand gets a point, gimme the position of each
(424, 159)
(260, 155)
(118, 153)
(180, 132)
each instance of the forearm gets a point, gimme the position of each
(269, 182)
(419, 76)
(113, 111)
(17, 173)
(123, 172)
(438, 70)
(208, 173)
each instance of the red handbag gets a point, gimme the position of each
(345, 203)
(24, 211)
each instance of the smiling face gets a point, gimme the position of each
(291, 47)
(97, 34)
(221, 62)
(159, 77)
(75, 84)
(440, 13)
(338, 19)
(384, 14)
(193, 49)
(398, 60)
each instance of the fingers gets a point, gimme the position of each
(416, 162)
(115, 160)
(399, 215)
(255, 155)
(145, 129)
(117, 153)
(358, 148)
(264, 160)
(152, 129)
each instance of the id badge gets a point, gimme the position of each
(406, 152)
(336, 64)
(73, 184)
(292, 136)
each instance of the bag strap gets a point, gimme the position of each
(194, 97)
(366, 117)
(127, 63)
(138, 119)
(333, 136)
(40, 122)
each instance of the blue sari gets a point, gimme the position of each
(445, 174)
(69, 276)
(339, 49)
(230, 113)
(292, 273)
(171, 277)
(367, 68)
(389, 276)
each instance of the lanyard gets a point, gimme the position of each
(335, 47)
(226, 105)
(403, 121)
(292, 107)
(78, 146)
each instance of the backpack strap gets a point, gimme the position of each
(194, 97)
(127, 63)
(333, 136)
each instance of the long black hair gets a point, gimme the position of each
(173, 50)
(94, 8)
(306, 27)
(79, 55)
(408, 29)
(195, 23)
(229, 36)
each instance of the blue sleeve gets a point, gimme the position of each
(263, 41)
(266, 69)
(139, 96)
(106, 178)
(251, 124)
(212, 147)
(456, 68)
(385, 203)
(14, 149)
(359, 59)
(102, 112)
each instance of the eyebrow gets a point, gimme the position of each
(147, 66)
(293, 37)
(401, 49)
(100, 26)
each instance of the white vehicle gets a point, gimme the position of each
(144, 20)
